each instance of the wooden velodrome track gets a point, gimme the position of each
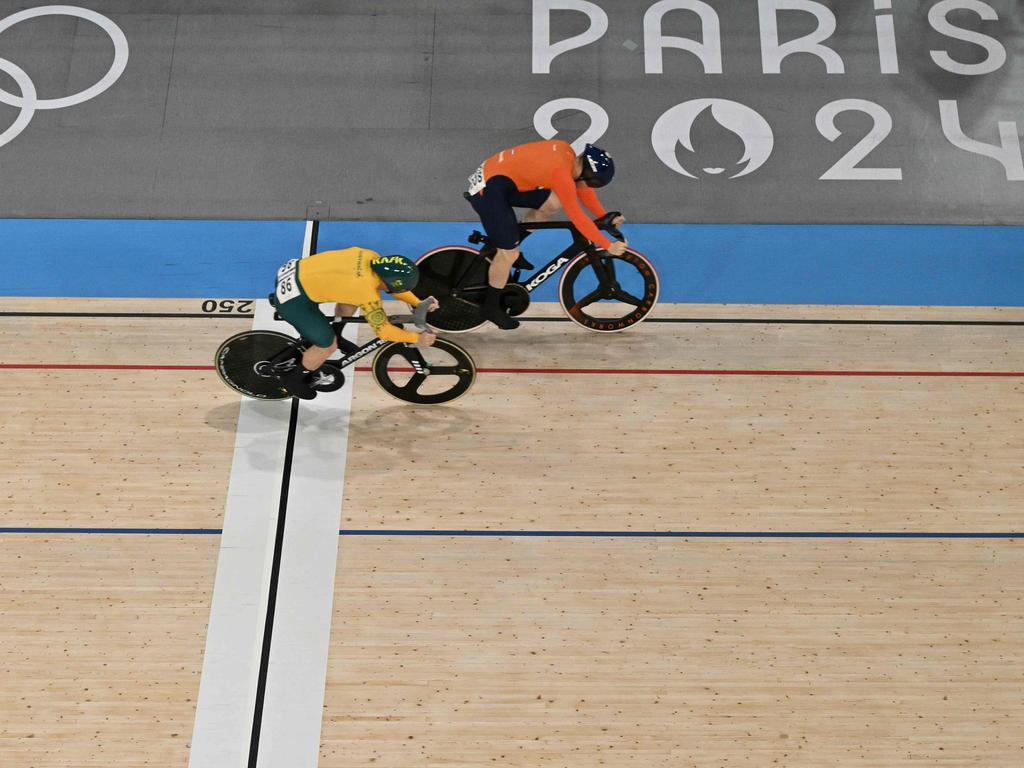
(694, 619)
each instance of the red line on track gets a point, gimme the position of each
(727, 372)
(561, 371)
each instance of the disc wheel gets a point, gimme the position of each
(608, 294)
(437, 374)
(243, 361)
(457, 277)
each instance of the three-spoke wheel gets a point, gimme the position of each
(437, 374)
(607, 293)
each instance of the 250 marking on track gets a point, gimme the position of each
(228, 306)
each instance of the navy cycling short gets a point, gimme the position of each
(494, 204)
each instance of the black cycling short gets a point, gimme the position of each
(494, 204)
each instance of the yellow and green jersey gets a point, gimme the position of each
(345, 276)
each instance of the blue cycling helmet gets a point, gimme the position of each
(397, 272)
(598, 166)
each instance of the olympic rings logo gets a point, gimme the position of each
(28, 102)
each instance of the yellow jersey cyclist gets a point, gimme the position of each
(352, 278)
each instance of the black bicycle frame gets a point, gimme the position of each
(348, 358)
(579, 243)
(415, 360)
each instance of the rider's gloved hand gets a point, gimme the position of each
(426, 339)
(619, 220)
(617, 248)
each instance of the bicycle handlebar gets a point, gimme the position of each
(605, 223)
(417, 317)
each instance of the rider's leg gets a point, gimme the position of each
(315, 356)
(541, 205)
(341, 313)
(295, 374)
(300, 378)
(551, 206)
(494, 206)
(501, 265)
(497, 278)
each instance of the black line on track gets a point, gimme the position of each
(792, 321)
(275, 574)
(143, 315)
(668, 320)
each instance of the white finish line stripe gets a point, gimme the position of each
(227, 688)
(294, 676)
(297, 674)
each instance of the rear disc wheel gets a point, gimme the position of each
(243, 362)
(457, 277)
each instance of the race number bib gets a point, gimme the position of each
(288, 282)
(476, 181)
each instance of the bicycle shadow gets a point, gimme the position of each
(410, 431)
(413, 430)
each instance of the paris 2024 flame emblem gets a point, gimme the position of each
(676, 127)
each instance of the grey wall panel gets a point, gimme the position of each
(381, 110)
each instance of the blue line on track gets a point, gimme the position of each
(693, 534)
(565, 534)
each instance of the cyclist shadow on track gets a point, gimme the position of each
(224, 418)
(419, 426)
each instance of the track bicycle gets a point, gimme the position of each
(424, 376)
(597, 290)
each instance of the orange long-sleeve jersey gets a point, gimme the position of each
(549, 165)
(345, 276)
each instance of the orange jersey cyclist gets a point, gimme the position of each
(544, 176)
(352, 278)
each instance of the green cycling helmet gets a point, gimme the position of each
(397, 272)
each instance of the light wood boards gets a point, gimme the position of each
(543, 651)
(629, 451)
(586, 652)
(149, 449)
(101, 647)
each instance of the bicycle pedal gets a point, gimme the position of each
(323, 380)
